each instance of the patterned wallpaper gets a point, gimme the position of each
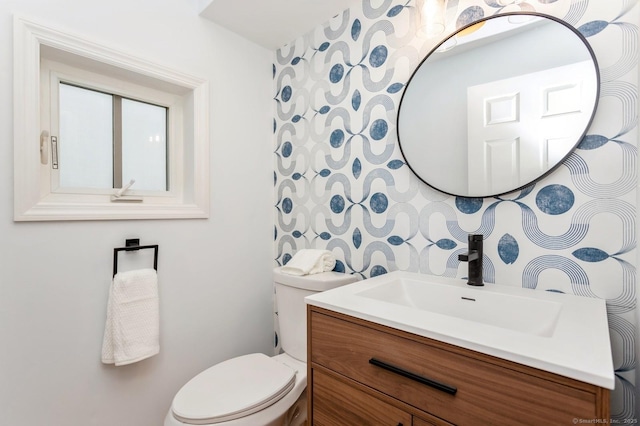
(342, 184)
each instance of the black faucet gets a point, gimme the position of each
(474, 257)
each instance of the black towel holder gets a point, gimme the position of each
(134, 245)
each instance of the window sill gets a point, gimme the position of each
(116, 211)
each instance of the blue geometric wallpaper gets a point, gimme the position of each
(342, 184)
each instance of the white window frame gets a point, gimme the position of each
(71, 58)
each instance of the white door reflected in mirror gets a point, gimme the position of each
(519, 127)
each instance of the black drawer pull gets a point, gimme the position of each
(429, 382)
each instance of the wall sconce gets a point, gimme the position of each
(432, 17)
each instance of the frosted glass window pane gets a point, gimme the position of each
(85, 144)
(144, 145)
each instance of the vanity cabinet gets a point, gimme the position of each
(364, 373)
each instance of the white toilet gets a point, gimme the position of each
(254, 389)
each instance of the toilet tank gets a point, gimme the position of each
(292, 309)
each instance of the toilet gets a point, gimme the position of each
(255, 389)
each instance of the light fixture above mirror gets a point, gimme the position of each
(432, 17)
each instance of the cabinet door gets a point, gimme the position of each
(336, 403)
(420, 422)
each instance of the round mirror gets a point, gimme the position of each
(498, 104)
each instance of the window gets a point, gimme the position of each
(106, 140)
(103, 139)
(115, 137)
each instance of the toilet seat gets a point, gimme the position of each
(232, 389)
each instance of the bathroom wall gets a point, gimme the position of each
(214, 275)
(341, 182)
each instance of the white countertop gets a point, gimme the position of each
(577, 347)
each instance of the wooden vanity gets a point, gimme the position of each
(364, 373)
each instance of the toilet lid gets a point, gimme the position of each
(232, 389)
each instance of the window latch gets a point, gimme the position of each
(44, 147)
(119, 195)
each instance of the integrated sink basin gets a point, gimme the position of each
(560, 333)
(514, 312)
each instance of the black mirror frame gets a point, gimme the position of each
(551, 169)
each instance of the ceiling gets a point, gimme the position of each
(272, 23)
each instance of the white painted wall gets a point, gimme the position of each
(215, 282)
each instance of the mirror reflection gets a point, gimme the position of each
(498, 105)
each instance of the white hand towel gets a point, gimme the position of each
(310, 261)
(132, 329)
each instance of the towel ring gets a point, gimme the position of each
(134, 245)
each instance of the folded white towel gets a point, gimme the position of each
(310, 261)
(132, 329)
